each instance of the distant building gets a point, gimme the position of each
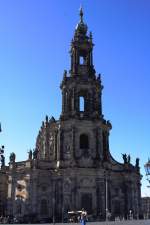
(146, 207)
(71, 167)
(3, 191)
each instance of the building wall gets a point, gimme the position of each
(3, 192)
(146, 207)
(65, 189)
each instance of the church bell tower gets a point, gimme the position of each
(81, 89)
(81, 105)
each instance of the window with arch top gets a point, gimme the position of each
(81, 60)
(84, 141)
(81, 104)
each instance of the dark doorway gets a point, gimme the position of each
(44, 207)
(84, 141)
(86, 202)
(117, 208)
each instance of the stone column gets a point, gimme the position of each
(139, 197)
(100, 102)
(105, 153)
(55, 144)
(66, 101)
(34, 193)
(98, 197)
(102, 197)
(73, 100)
(10, 197)
(59, 144)
(73, 144)
(63, 101)
(13, 194)
(53, 201)
(67, 196)
(97, 136)
(58, 198)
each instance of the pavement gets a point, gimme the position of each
(125, 222)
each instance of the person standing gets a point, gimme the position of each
(83, 218)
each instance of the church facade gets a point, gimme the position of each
(71, 167)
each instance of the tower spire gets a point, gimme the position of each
(81, 14)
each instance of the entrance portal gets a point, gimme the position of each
(86, 202)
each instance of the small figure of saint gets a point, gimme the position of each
(30, 155)
(2, 161)
(35, 154)
(12, 157)
(129, 159)
(124, 156)
(137, 162)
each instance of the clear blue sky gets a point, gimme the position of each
(35, 40)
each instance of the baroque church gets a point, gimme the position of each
(71, 166)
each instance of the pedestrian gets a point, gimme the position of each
(83, 218)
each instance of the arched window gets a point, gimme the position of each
(81, 104)
(81, 60)
(84, 141)
(44, 207)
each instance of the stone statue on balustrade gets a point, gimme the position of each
(30, 155)
(12, 157)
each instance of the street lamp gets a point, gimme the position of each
(106, 195)
(106, 191)
(147, 170)
(53, 202)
